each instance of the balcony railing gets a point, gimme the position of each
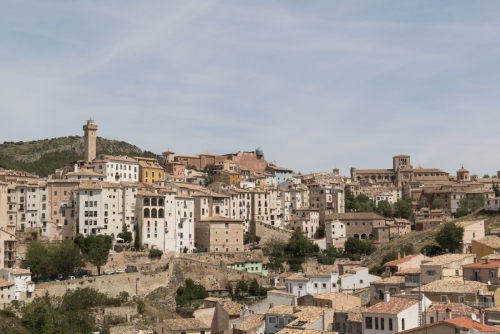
(480, 304)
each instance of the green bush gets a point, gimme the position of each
(155, 253)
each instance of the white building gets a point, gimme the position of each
(297, 284)
(184, 224)
(322, 279)
(117, 168)
(356, 278)
(335, 234)
(492, 204)
(394, 314)
(23, 286)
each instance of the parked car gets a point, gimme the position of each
(108, 272)
(70, 277)
(119, 271)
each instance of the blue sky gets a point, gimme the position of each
(317, 84)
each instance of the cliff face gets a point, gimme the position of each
(44, 156)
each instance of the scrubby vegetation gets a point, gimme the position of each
(43, 157)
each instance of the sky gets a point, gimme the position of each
(316, 84)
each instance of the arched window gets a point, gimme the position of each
(356, 236)
(161, 213)
(146, 201)
(161, 202)
(363, 236)
(154, 202)
(146, 213)
(370, 236)
(154, 213)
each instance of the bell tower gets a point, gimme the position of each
(90, 130)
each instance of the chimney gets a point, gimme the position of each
(399, 256)
(448, 314)
(387, 296)
(481, 316)
(487, 260)
(294, 309)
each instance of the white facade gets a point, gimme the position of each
(390, 323)
(37, 208)
(297, 284)
(356, 278)
(117, 169)
(21, 279)
(240, 207)
(335, 234)
(320, 284)
(492, 204)
(184, 223)
(385, 196)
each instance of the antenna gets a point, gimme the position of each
(473, 316)
(489, 283)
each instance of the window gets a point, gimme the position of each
(382, 323)
(492, 274)
(272, 320)
(444, 298)
(369, 323)
(431, 272)
(390, 324)
(315, 285)
(324, 285)
(403, 324)
(461, 299)
(376, 323)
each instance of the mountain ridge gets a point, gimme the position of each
(44, 156)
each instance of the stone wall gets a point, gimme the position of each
(134, 283)
(267, 232)
(216, 258)
(213, 276)
(102, 315)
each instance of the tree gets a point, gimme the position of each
(364, 204)
(388, 257)
(38, 259)
(496, 189)
(403, 209)
(353, 246)
(242, 285)
(486, 176)
(385, 208)
(349, 200)
(298, 245)
(423, 202)
(407, 249)
(450, 237)
(66, 257)
(431, 250)
(438, 203)
(96, 250)
(126, 235)
(253, 289)
(250, 238)
(190, 292)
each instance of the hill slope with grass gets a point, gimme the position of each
(43, 157)
(424, 238)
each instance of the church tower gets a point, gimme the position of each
(90, 130)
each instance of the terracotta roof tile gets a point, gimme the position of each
(251, 322)
(467, 323)
(184, 324)
(453, 286)
(395, 305)
(403, 260)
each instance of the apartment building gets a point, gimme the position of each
(306, 220)
(117, 168)
(219, 234)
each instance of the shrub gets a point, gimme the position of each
(155, 253)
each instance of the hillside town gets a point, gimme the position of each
(217, 221)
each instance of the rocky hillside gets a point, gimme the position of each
(44, 156)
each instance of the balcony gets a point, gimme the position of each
(480, 304)
(476, 278)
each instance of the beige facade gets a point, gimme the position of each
(359, 224)
(444, 267)
(219, 234)
(306, 220)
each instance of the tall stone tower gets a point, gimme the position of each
(90, 130)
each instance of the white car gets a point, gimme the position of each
(108, 272)
(119, 271)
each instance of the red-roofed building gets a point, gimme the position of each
(394, 314)
(483, 271)
(411, 261)
(453, 326)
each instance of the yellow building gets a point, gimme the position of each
(184, 326)
(150, 170)
(227, 177)
(486, 246)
